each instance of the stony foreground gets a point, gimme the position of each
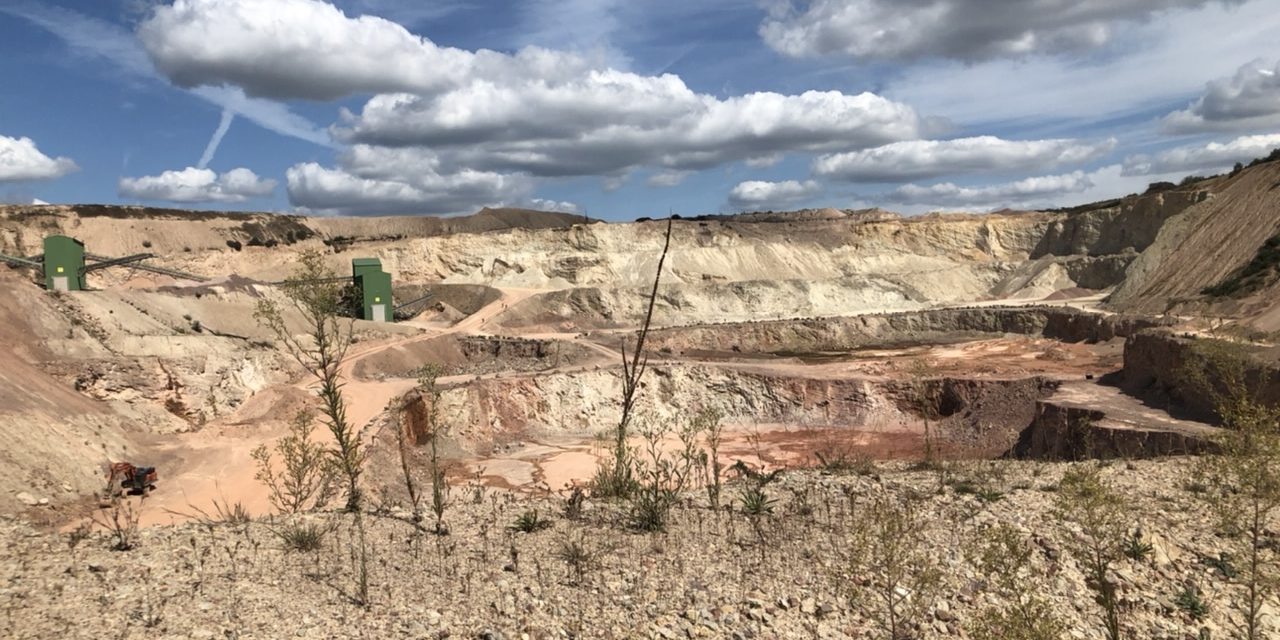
(710, 575)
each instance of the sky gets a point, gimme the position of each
(619, 109)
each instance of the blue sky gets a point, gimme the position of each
(625, 109)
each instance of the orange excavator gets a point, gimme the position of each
(132, 479)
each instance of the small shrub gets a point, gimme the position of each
(1088, 500)
(79, 534)
(984, 494)
(120, 518)
(574, 503)
(1004, 558)
(661, 477)
(841, 462)
(578, 557)
(755, 502)
(302, 536)
(530, 522)
(890, 551)
(1189, 602)
(309, 476)
(1136, 548)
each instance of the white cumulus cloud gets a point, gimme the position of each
(561, 206)
(959, 29)
(312, 50)
(21, 160)
(193, 185)
(611, 121)
(1250, 99)
(492, 118)
(378, 180)
(1213, 156)
(761, 194)
(1028, 190)
(916, 159)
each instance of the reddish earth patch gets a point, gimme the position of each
(543, 466)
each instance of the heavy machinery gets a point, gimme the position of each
(132, 479)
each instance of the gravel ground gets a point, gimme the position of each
(711, 575)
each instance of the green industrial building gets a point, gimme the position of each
(375, 288)
(63, 264)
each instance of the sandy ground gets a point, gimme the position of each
(214, 466)
(552, 464)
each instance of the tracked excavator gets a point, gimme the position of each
(131, 479)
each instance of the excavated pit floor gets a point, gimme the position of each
(538, 462)
(213, 465)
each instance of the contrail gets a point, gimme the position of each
(227, 116)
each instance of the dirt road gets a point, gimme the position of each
(214, 466)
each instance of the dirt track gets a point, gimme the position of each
(213, 465)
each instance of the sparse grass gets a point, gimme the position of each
(1223, 563)
(530, 522)
(302, 536)
(1136, 548)
(578, 557)
(841, 462)
(984, 494)
(1189, 602)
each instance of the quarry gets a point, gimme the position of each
(973, 360)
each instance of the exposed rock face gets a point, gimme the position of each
(1125, 226)
(597, 275)
(1155, 366)
(1064, 432)
(982, 417)
(1207, 243)
(896, 329)
(121, 230)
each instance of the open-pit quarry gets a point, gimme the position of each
(799, 331)
(1024, 338)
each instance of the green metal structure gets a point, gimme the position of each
(361, 266)
(375, 288)
(63, 264)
